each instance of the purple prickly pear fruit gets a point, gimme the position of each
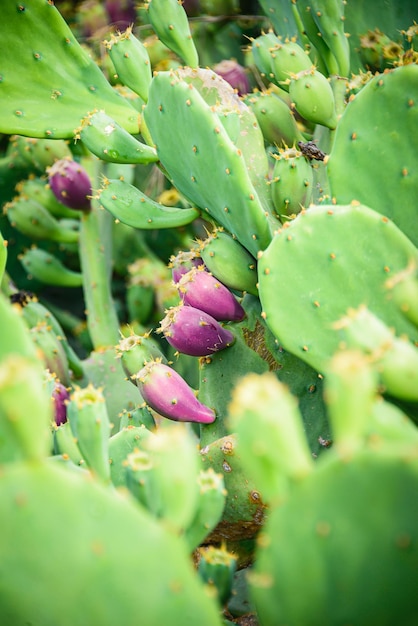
(194, 332)
(60, 396)
(183, 262)
(234, 74)
(121, 13)
(167, 393)
(70, 184)
(203, 291)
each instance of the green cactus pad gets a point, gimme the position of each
(74, 553)
(327, 260)
(132, 207)
(353, 555)
(373, 159)
(51, 83)
(202, 160)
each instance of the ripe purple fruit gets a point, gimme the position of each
(203, 291)
(194, 332)
(60, 397)
(70, 184)
(167, 393)
(234, 74)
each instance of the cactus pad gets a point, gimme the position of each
(61, 83)
(329, 259)
(373, 159)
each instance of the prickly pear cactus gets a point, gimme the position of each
(364, 148)
(325, 506)
(243, 265)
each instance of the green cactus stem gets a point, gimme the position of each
(245, 509)
(95, 259)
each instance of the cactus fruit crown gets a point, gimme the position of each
(83, 396)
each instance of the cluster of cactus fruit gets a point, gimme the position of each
(231, 245)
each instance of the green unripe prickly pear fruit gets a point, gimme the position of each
(209, 507)
(39, 153)
(34, 313)
(313, 98)
(217, 567)
(275, 119)
(169, 20)
(377, 51)
(261, 49)
(229, 261)
(46, 268)
(131, 61)
(51, 351)
(292, 182)
(121, 445)
(35, 221)
(89, 420)
(66, 444)
(404, 291)
(288, 58)
(135, 351)
(262, 405)
(396, 358)
(140, 416)
(40, 191)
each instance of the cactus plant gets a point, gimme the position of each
(271, 311)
